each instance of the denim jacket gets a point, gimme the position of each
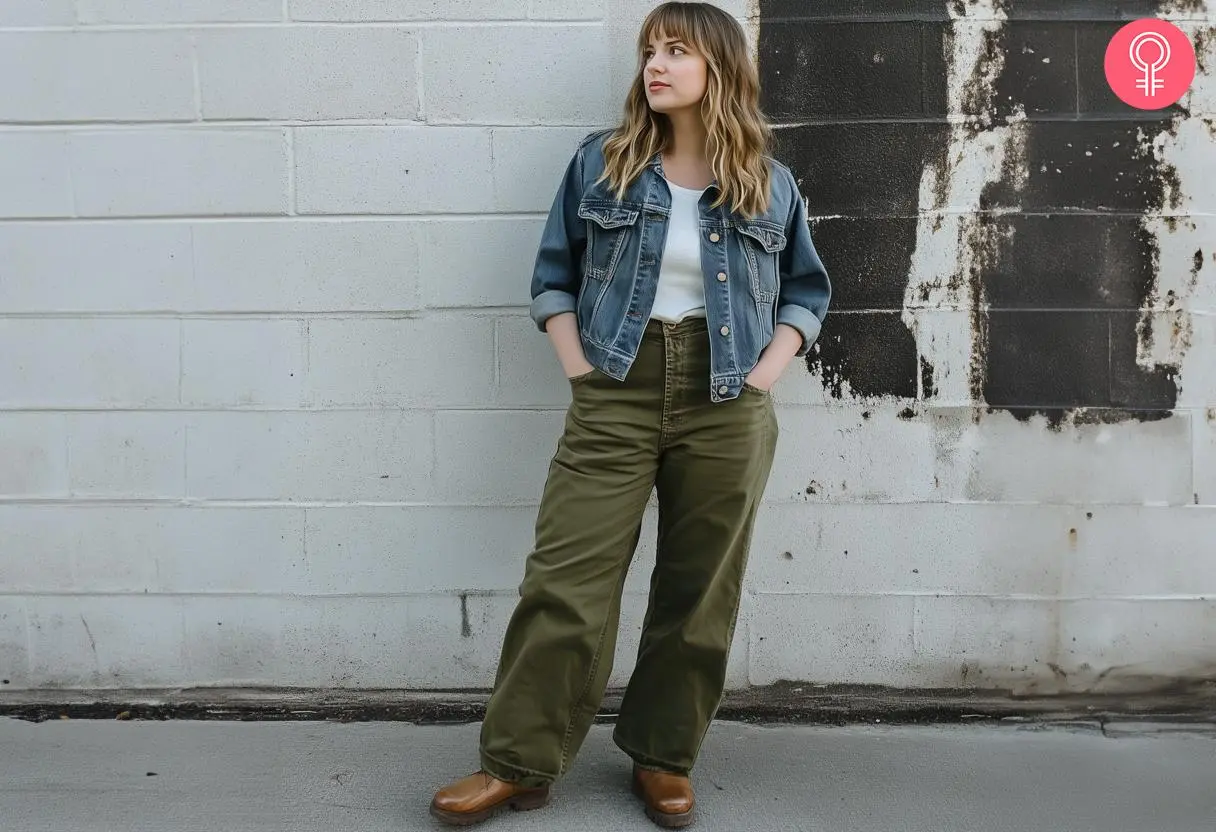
(599, 257)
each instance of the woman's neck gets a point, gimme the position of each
(684, 159)
(688, 136)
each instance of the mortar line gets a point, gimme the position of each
(530, 503)
(75, 203)
(145, 219)
(497, 346)
(405, 23)
(181, 360)
(186, 459)
(67, 459)
(434, 451)
(193, 289)
(485, 216)
(267, 315)
(1076, 66)
(306, 387)
(456, 591)
(419, 78)
(304, 544)
(293, 207)
(379, 405)
(1195, 440)
(820, 120)
(198, 78)
(29, 642)
(223, 123)
(955, 119)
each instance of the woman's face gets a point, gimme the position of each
(674, 75)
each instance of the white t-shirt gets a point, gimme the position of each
(681, 290)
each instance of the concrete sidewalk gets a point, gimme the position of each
(70, 776)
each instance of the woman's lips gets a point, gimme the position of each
(656, 87)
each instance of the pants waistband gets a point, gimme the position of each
(657, 330)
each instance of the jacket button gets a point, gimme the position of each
(725, 330)
(723, 390)
(713, 238)
(721, 277)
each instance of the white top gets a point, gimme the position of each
(681, 290)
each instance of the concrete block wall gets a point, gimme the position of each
(1001, 475)
(272, 411)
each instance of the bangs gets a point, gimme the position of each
(671, 21)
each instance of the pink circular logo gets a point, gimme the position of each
(1150, 63)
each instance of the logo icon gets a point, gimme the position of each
(1150, 63)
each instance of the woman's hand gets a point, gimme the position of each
(775, 358)
(563, 332)
(763, 377)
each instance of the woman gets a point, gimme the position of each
(676, 279)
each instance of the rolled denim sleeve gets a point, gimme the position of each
(558, 270)
(805, 292)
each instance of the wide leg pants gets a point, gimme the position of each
(710, 463)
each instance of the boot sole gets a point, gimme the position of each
(524, 802)
(666, 820)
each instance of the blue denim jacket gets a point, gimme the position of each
(599, 257)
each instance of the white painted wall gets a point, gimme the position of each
(272, 411)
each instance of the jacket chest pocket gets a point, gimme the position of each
(608, 228)
(761, 244)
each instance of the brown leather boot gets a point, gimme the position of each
(479, 796)
(668, 797)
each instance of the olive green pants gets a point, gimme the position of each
(710, 463)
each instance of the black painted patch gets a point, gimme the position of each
(1048, 359)
(862, 178)
(847, 69)
(862, 169)
(1082, 166)
(872, 255)
(1133, 386)
(776, 10)
(928, 385)
(1079, 9)
(873, 352)
(1105, 268)
(1063, 265)
(1079, 255)
(1042, 57)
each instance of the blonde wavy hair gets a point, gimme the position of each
(739, 138)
